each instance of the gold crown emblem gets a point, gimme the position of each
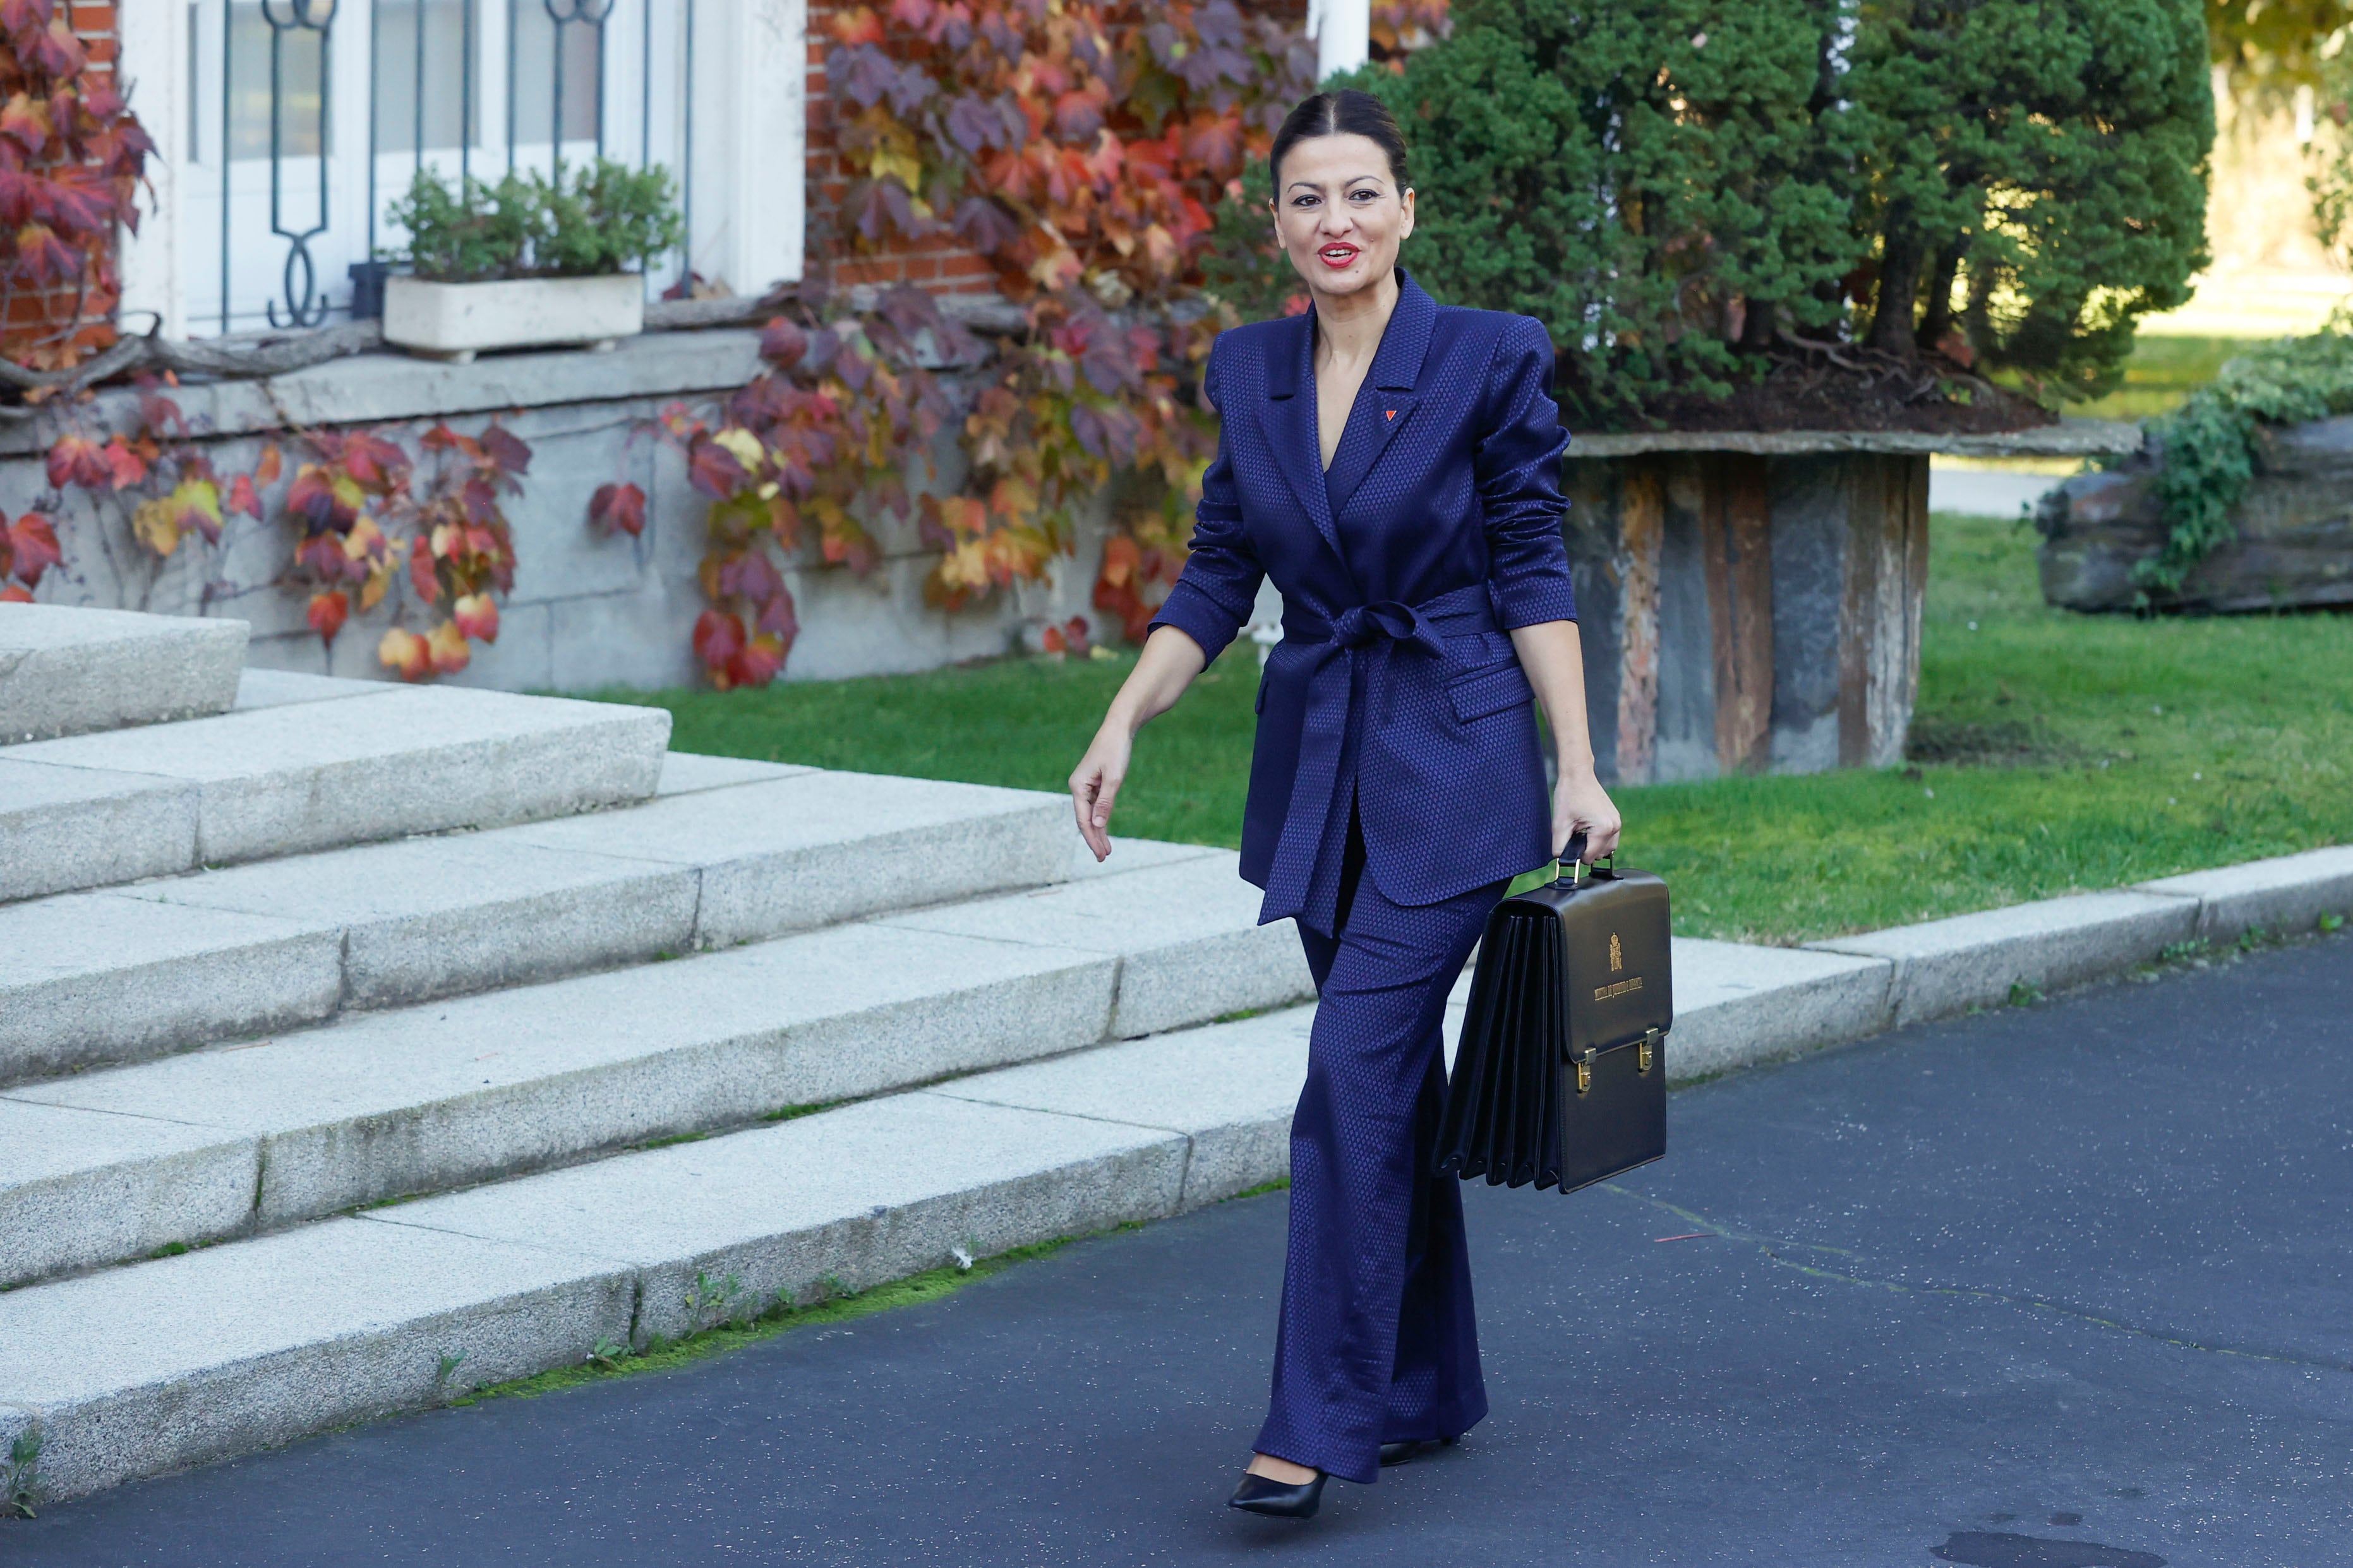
(1617, 954)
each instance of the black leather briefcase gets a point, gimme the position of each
(1561, 1076)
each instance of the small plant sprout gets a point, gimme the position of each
(20, 1482)
(707, 1299)
(607, 1354)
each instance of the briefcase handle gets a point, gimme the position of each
(1574, 858)
(1544, 875)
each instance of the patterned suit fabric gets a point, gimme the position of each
(1397, 784)
(1445, 490)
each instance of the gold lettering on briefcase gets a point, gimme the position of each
(1623, 987)
(1617, 956)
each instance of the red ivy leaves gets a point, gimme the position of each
(819, 445)
(81, 460)
(72, 159)
(328, 611)
(462, 549)
(731, 657)
(28, 547)
(619, 508)
(1081, 157)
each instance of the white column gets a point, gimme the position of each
(1342, 30)
(152, 73)
(750, 141)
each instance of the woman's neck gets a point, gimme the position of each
(1348, 327)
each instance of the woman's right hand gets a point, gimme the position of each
(1169, 661)
(1094, 784)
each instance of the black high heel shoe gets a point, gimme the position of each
(1263, 1494)
(1398, 1453)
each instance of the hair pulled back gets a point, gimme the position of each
(1347, 113)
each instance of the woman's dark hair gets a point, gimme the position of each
(1344, 113)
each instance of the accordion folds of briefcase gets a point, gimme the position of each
(1561, 1077)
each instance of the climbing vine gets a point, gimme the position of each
(72, 158)
(356, 504)
(1081, 150)
(827, 433)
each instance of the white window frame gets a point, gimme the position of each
(749, 127)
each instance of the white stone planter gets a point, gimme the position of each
(457, 320)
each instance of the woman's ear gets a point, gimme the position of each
(1405, 229)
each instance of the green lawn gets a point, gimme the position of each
(2053, 752)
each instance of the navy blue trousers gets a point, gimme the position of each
(1378, 1341)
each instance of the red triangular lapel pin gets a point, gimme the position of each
(1392, 414)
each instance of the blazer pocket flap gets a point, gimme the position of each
(1491, 691)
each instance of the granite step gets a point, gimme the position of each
(108, 1165)
(305, 774)
(729, 852)
(158, 1364)
(65, 671)
(173, 1362)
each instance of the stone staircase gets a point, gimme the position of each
(361, 1044)
(354, 1039)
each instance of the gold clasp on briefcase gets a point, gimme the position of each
(1645, 1053)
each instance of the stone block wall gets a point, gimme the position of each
(588, 609)
(2294, 548)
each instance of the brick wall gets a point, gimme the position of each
(48, 326)
(943, 266)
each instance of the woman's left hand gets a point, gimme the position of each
(1581, 805)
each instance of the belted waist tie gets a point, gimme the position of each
(1364, 631)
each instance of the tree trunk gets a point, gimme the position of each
(1899, 286)
(1760, 327)
(1937, 319)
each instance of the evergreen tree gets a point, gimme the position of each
(1663, 182)
(1680, 187)
(2037, 166)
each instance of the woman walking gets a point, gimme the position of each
(1393, 465)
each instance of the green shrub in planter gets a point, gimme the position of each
(1664, 182)
(606, 218)
(2038, 176)
(1681, 187)
(610, 218)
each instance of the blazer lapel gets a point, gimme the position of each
(1291, 423)
(1385, 404)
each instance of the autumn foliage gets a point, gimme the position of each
(360, 508)
(72, 157)
(1082, 148)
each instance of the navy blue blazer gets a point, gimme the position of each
(1435, 533)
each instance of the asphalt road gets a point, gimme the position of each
(2063, 1287)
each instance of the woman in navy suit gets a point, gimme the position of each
(1394, 466)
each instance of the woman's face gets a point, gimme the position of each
(1339, 214)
